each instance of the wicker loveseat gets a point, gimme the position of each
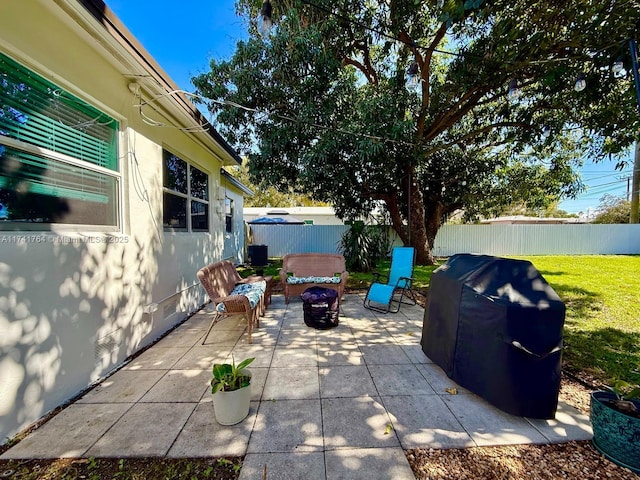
(233, 295)
(303, 270)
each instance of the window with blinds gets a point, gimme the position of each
(58, 155)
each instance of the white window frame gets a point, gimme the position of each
(188, 196)
(34, 227)
(38, 148)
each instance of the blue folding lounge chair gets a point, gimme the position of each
(383, 297)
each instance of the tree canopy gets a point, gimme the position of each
(490, 117)
(613, 209)
(267, 196)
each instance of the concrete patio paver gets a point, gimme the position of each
(368, 425)
(287, 466)
(421, 420)
(346, 381)
(70, 433)
(415, 354)
(202, 357)
(368, 463)
(487, 425)
(287, 426)
(146, 429)
(124, 386)
(202, 436)
(569, 423)
(179, 386)
(339, 354)
(383, 354)
(292, 383)
(339, 403)
(397, 379)
(439, 380)
(157, 358)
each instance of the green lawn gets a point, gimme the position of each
(601, 293)
(602, 325)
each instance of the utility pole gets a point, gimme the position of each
(635, 186)
(628, 179)
(633, 218)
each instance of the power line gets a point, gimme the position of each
(262, 112)
(604, 176)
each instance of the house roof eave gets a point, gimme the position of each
(138, 55)
(236, 183)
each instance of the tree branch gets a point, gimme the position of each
(371, 79)
(475, 133)
(456, 112)
(365, 67)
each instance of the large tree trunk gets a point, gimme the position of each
(432, 223)
(418, 234)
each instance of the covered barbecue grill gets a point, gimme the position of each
(494, 325)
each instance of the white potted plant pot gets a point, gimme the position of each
(231, 389)
(232, 407)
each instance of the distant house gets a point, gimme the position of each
(112, 198)
(310, 215)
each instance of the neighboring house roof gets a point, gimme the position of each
(236, 182)
(290, 210)
(278, 217)
(155, 77)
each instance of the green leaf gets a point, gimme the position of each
(245, 363)
(633, 394)
(216, 386)
(220, 370)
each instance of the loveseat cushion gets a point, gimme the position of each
(301, 280)
(253, 291)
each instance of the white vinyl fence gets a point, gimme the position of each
(488, 239)
(283, 239)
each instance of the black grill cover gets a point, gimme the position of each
(494, 325)
(320, 307)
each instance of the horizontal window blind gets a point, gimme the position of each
(38, 112)
(24, 172)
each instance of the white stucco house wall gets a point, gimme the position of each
(235, 234)
(112, 198)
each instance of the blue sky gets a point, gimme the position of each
(185, 36)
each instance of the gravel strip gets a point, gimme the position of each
(579, 460)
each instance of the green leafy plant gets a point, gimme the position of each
(625, 394)
(228, 377)
(226, 463)
(363, 245)
(625, 390)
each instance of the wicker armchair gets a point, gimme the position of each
(220, 280)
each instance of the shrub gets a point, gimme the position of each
(363, 245)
